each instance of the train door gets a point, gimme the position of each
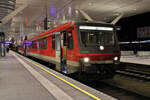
(63, 50)
(57, 41)
(66, 49)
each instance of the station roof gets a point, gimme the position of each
(33, 12)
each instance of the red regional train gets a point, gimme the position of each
(77, 47)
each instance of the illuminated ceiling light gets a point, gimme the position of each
(52, 12)
(135, 9)
(116, 14)
(90, 3)
(76, 12)
(69, 11)
(64, 17)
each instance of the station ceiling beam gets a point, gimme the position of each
(12, 14)
(86, 15)
(117, 18)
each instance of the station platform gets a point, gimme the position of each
(144, 60)
(24, 79)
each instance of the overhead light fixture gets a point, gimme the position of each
(69, 11)
(76, 11)
(90, 3)
(116, 14)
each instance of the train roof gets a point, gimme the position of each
(92, 23)
(69, 24)
(100, 22)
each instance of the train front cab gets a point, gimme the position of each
(99, 51)
(87, 47)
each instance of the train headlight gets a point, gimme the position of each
(101, 47)
(86, 59)
(115, 58)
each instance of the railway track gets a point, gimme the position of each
(115, 91)
(110, 89)
(135, 74)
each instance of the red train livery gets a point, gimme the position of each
(77, 47)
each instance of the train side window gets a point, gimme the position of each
(41, 43)
(30, 44)
(33, 44)
(53, 41)
(70, 40)
(37, 45)
(45, 43)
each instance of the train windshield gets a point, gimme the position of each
(97, 36)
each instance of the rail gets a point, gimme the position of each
(134, 73)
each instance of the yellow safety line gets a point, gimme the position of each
(89, 94)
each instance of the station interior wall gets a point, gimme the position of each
(129, 27)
